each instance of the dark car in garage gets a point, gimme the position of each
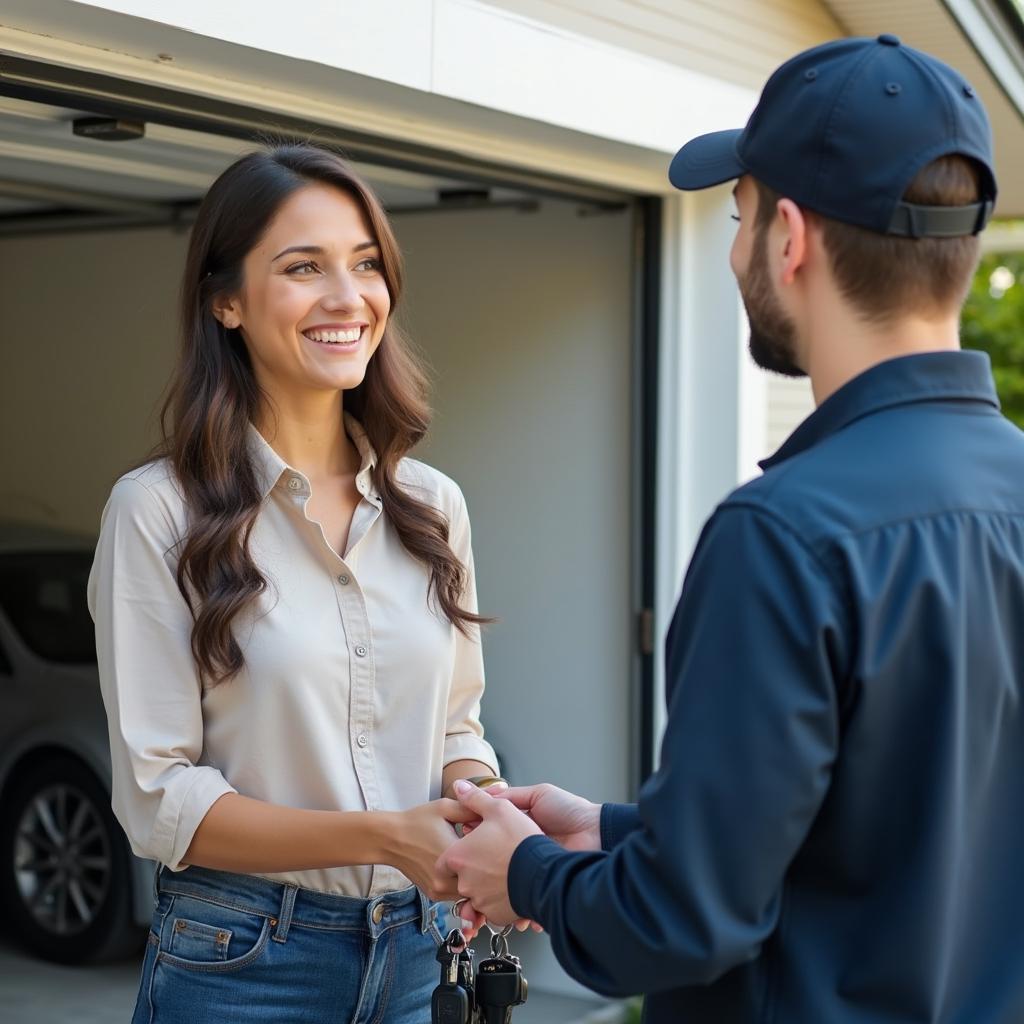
(71, 890)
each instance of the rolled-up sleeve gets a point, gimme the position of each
(463, 732)
(150, 686)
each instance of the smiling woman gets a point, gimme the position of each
(303, 307)
(287, 629)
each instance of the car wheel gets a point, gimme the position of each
(65, 870)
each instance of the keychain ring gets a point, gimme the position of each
(499, 940)
(499, 944)
(458, 903)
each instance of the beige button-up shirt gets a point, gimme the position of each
(355, 692)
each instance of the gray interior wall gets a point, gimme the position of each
(88, 339)
(525, 319)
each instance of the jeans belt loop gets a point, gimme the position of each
(424, 911)
(284, 917)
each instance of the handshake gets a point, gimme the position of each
(494, 822)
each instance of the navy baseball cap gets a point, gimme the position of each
(843, 128)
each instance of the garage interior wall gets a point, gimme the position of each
(88, 340)
(530, 337)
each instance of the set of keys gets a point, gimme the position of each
(486, 996)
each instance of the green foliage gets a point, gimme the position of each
(634, 1011)
(993, 321)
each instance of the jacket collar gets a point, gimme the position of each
(928, 377)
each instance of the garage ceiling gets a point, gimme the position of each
(52, 179)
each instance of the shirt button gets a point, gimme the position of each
(343, 580)
(295, 484)
(362, 740)
(360, 651)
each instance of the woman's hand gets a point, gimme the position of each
(416, 838)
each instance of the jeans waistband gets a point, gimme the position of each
(289, 905)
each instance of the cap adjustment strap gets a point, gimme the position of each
(912, 220)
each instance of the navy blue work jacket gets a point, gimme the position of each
(835, 834)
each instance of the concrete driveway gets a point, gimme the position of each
(43, 993)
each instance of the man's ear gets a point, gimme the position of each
(794, 226)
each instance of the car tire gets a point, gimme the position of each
(65, 866)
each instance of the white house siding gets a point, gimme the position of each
(789, 402)
(741, 41)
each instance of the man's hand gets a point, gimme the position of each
(481, 859)
(570, 820)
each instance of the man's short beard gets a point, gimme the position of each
(772, 333)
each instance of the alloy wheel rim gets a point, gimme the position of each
(62, 859)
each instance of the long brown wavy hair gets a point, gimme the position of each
(213, 396)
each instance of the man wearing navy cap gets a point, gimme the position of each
(835, 833)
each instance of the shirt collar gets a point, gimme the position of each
(271, 468)
(930, 376)
(358, 435)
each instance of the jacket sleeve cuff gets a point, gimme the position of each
(617, 821)
(526, 873)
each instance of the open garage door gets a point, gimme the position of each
(531, 301)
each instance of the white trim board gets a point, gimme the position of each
(499, 87)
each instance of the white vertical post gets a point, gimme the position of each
(711, 400)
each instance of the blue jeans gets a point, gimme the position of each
(226, 947)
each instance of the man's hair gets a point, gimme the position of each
(885, 276)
